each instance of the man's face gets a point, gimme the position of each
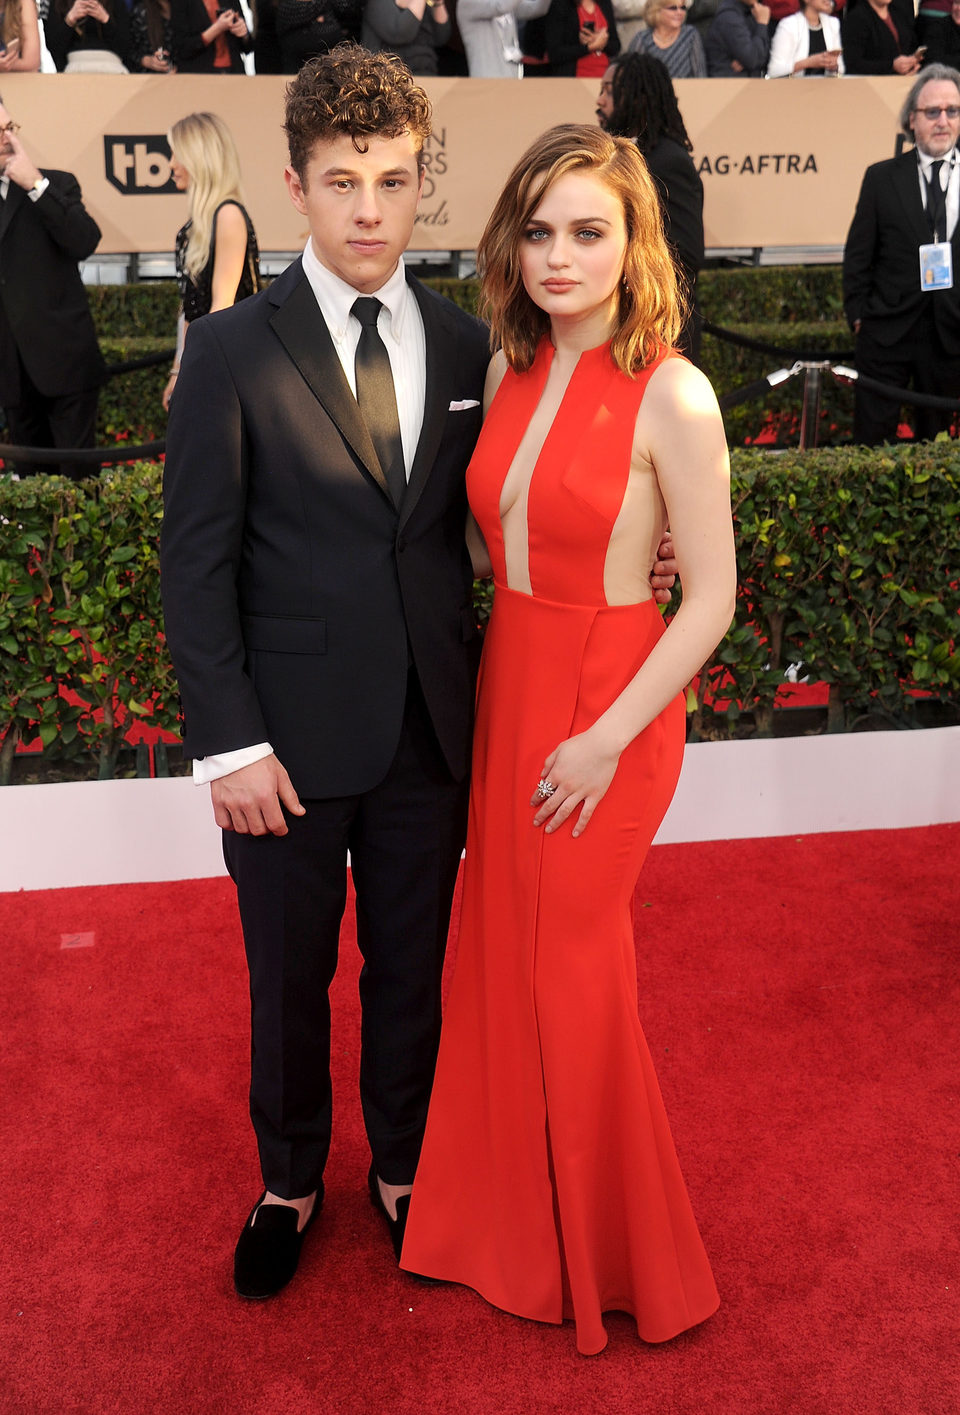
(360, 206)
(936, 136)
(605, 99)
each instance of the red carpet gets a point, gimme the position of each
(801, 999)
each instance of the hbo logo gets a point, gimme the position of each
(138, 165)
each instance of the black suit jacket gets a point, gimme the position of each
(294, 594)
(681, 193)
(881, 268)
(868, 45)
(44, 312)
(188, 20)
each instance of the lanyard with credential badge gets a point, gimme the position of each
(936, 257)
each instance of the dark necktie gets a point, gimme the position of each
(936, 204)
(377, 397)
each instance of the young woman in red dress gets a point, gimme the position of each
(548, 1179)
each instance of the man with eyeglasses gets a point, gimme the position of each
(901, 265)
(50, 362)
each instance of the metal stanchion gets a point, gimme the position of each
(810, 411)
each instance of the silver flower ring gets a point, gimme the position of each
(545, 789)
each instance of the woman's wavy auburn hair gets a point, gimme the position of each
(351, 92)
(650, 307)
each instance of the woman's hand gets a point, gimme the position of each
(581, 769)
(906, 64)
(220, 25)
(168, 391)
(78, 11)
(157, 64)
(238, 25)
(10, 55)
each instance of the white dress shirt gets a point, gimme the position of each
(400, 326)
(34, 193)
(949, 182)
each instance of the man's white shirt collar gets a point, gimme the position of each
(336, 298)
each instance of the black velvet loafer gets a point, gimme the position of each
(396, 1225)
(268, 1251)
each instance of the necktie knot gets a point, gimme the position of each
(367, 310)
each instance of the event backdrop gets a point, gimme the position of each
(781, 161)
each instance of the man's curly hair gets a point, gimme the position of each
(351, 91)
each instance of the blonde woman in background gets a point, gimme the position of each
(20, 36)
(218, 262)
(668, 39)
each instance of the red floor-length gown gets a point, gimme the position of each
(548, 1179)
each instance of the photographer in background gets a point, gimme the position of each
(208, 37)
(50, 362)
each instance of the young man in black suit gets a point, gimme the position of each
(50, 362)
(908, 333)
(317, 596)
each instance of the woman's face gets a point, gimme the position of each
(181, 178)
(572, 250)
(820, 7)
(670, 16)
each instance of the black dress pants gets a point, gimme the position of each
(918, 361)
(64, 420)
(405, 838)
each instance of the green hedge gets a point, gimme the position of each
(848, 564)
(794, 308)
(759, 294)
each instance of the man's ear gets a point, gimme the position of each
(295, 188)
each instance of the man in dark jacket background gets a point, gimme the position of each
(50, 363)
(738, 42)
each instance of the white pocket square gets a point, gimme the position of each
(460, 405)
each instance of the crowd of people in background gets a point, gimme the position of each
(486, 38)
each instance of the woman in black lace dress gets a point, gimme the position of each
(218, 262)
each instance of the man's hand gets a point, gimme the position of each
(663, 577)
(250, 800)
(17, 165)
(761, 13)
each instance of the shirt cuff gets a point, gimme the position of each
(35, 193)
(207, 769)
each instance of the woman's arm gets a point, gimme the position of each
(229, 255)
(786, 48)
(698, 60)
(680, 433)
(23, 57)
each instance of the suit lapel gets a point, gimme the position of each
(8, 207)
(303, 332)
(440, 341)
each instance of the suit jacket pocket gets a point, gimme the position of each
(269, 633)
